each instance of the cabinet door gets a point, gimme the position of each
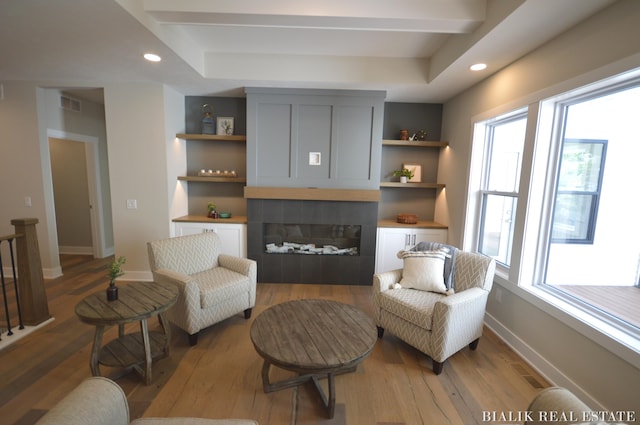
(390, 241)
(184, 229)
(429, 235)
(233, 237)
(394, 239)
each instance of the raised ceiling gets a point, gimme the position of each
(416, 50)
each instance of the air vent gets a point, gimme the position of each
(70, 104)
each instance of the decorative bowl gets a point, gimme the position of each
(224, 215)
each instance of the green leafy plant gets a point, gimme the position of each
(405, 172)
(211, 206)
(115, 270)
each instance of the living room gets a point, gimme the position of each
(144, 156)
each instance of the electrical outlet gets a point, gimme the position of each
(132, 204)
(27, 201)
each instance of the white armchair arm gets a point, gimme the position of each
(240, 265)
(188, 298)
(457, 319)
(383, 281)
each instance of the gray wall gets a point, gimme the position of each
(286, 126)
(216, 155)
(413, 117)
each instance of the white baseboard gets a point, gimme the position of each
(545, 368)
(76, 250)
(52, 273)
(47, 273)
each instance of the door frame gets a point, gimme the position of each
(94, 181)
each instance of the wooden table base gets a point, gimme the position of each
(329, 402)
(136, 351)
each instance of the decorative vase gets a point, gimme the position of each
(404, 134)
(207, 121)
(403, 179)
(112, 292)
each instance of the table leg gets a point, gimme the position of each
(95, 351)
(144, 330)
(331, 406)
(166, 329)
(329, 402)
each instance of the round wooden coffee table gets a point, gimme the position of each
(314, 338)
(137, 302)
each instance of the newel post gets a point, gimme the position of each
(33, 297)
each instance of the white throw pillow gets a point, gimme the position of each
(424, 270)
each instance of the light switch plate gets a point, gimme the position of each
(315, 158)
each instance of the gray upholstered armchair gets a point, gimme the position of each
(437, 323)
(213, 286)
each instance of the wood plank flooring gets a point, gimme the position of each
(220, 376)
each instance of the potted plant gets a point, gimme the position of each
(115, 271)
(404, 174)
(213, 213)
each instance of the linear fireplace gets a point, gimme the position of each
(312, 241)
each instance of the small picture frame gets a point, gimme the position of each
(225, 126)
(417, 172)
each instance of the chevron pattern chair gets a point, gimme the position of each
(437, 324)
(213, 286)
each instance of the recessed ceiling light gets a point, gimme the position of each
(152, 57)
(478, 66)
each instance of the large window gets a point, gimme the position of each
(569, 231)
(503, 143)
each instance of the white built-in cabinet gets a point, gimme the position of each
(233, 236)
(390, 240)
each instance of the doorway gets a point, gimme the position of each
(78, 201)
(75, 222)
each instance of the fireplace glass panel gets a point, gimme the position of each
(318, 239)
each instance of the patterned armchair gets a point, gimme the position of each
(437, 324)
(213, 286)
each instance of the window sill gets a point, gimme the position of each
(625, 343)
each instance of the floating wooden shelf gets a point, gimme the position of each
(415, 144)
(413, 185)
(213, 179)
(214, 137)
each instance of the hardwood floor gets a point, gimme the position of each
(220, 376)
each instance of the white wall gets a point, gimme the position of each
(141, 123)
(21, 166)
(603, 372)
(138, 133)
(176, 152)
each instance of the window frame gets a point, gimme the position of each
(484, 191)
(593, 194)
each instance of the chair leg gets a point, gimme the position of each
(474, 344)
(193, 339)
(247, 313)
(437, 367)
(380, 331)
